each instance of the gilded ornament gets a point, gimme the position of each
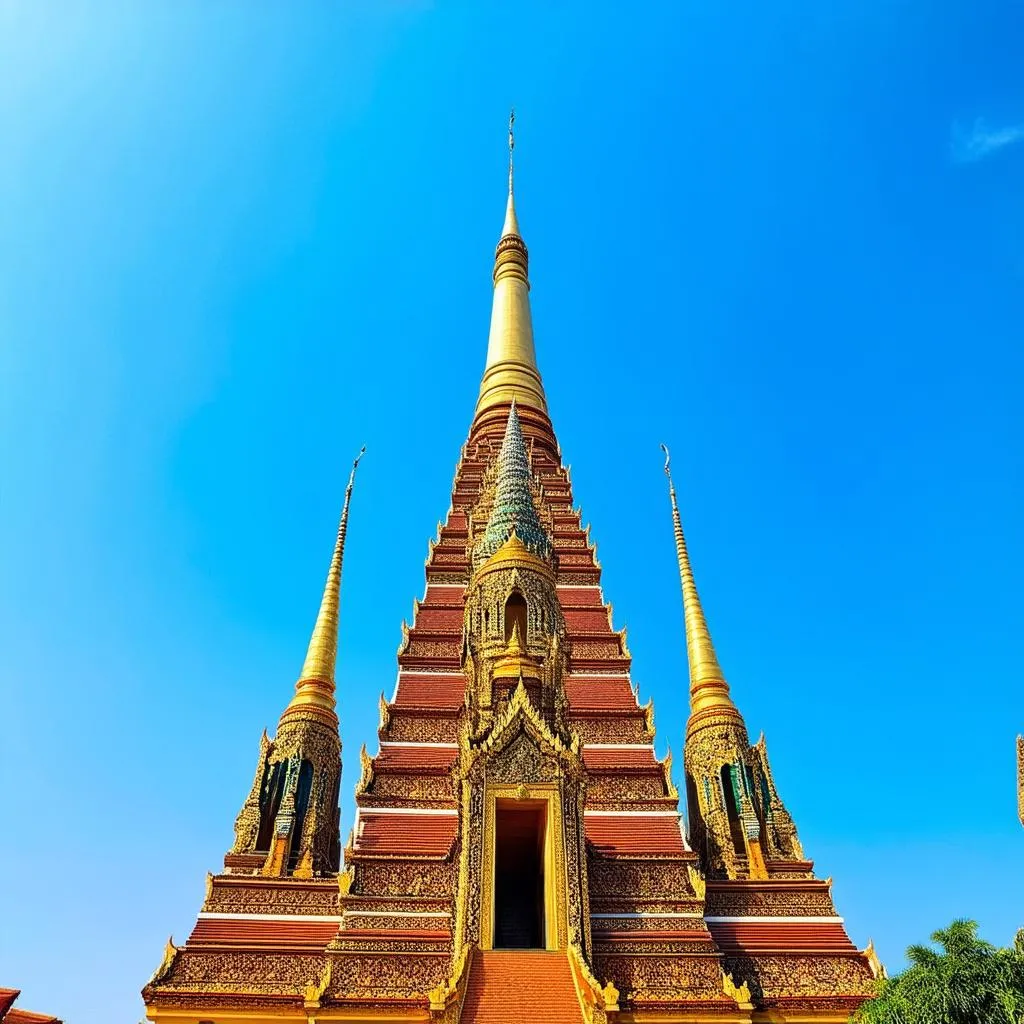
(877, 967)
(697, 882)
(345, 880)
(314, 990)
(740, 993)
(166, 963)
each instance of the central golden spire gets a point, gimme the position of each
(511, 370)
(708, 689)
(314, 692)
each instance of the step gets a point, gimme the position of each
(526, 985)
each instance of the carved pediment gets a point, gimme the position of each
(518, 724)
(522, 760)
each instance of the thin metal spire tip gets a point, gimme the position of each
(511, 143)
(355, 463)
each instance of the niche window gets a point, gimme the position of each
(302, 791)
(273, 790)
(515, 614)
(730, 786)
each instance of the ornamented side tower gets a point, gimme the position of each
(774, 922)
(518, 850)
(258, 944)
(289, 825)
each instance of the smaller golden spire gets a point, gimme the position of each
(516, 662)
(708, 687)
(314, 692)
(515, 641)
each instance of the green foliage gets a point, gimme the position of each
(964, 981)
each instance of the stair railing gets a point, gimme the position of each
(597, 1002)
(447, 998)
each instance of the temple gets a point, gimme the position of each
(10, 1014)
(518, 850)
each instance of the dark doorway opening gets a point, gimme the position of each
(515, 615)
(519, 877)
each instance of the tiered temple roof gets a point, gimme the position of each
(514, 692)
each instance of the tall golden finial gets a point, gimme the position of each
(708, 688)
(511, 370)
(314, 692)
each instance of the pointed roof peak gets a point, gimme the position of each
(708, 687)
(314, 691)
(511, 370)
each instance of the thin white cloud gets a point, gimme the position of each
(970, 145)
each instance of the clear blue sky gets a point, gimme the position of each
(237, 241)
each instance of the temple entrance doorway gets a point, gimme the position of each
(519, 876)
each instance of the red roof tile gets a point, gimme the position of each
(600, 693)
(425, 835)
(603, 758)
(25, 1017)
(225, 931)
(441, 620)
(400, 758)
(431, 690)
(7, 997)
(580, 597)
(14, 1016)
(753, 936)
(586, 620)
(441, 593)
(632, 834)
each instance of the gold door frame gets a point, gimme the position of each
(555, 914)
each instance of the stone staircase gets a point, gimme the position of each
(513, 986)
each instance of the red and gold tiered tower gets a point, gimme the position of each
(518, 851)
